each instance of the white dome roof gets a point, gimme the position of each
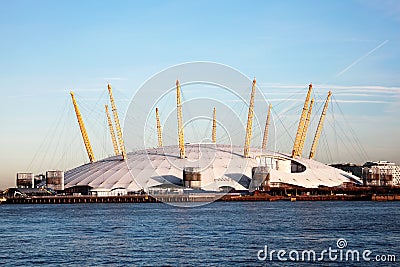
(220, 165)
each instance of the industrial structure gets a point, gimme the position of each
(52, 180)
(205, 167)
(55, 180)
(25, 180)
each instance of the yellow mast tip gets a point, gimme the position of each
(177, 82)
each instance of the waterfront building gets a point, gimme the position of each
(55, 180)
(352, 168)
(381, 173)
(25, 180)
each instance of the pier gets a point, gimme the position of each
(80, 199)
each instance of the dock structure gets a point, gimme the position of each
(81, 199)
(168, 198)
(274, 194)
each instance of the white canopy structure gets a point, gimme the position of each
(219, 165)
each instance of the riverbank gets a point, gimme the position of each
(193, 198)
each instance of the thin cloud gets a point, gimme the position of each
(361, 94)
(115, 79)
(361, 58)
(348, 88)
(389, 96)
(350, 101)
(282, 86)
(21, 96)
(86, 90)
(364, 88)
(362, 101)
(394, 106)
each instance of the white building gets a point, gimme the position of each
(218, 166)
(106, 192)
(381, 173)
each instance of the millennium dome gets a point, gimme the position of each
(209, 167)
(220, 166)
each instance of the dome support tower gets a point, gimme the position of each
(181, 137)
(266, 130)
(214, 127)
(112, 133)
(82, 127)
(250, 121)
(305, 129)
(319, 128)
(117, 125)
(297, 141)
(159, 131)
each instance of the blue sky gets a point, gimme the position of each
(51, 47)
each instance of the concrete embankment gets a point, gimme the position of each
(195, 198)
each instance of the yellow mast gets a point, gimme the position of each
(117, 125)
(85, 136)
(305, 129)
(113, 138)
(181, 138)
(265, 138)
(296, 145)
(214, 127)
(159, 132)
(319, 128)
(250, 121)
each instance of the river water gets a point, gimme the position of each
(217, 234)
